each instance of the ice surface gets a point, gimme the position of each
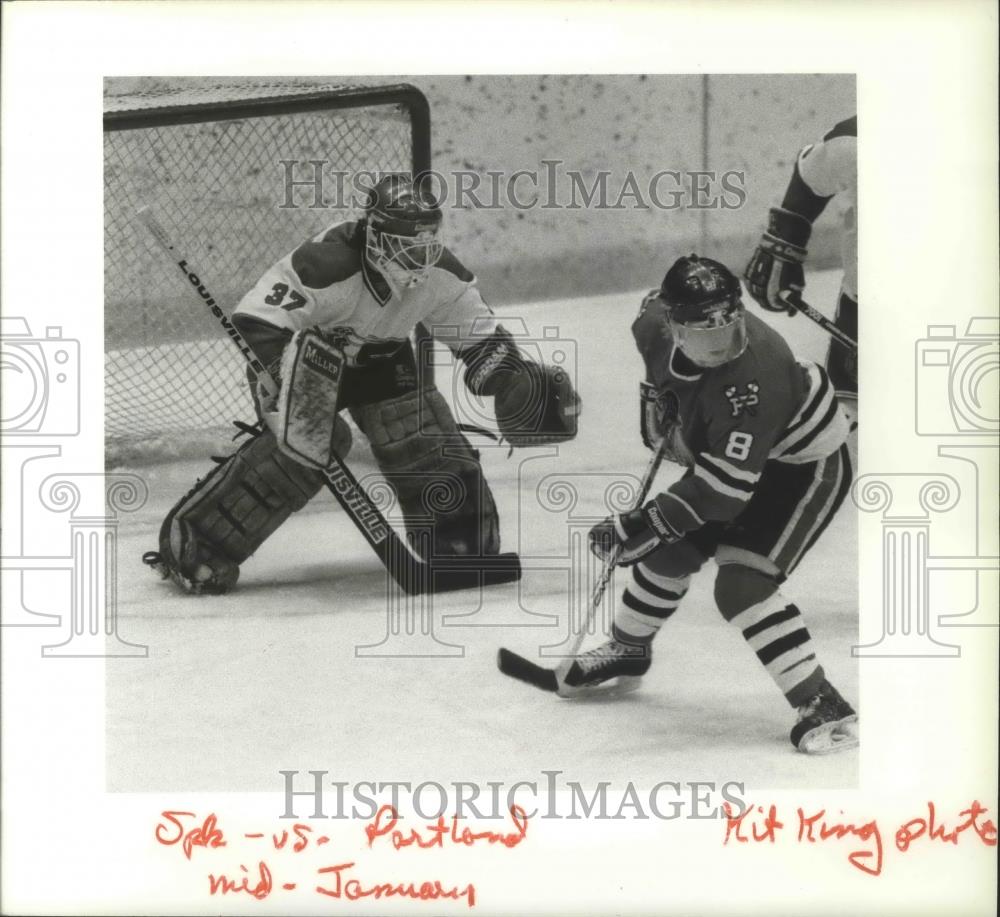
(239, 687)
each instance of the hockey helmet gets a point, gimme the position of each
(403, 230)
(705, 312)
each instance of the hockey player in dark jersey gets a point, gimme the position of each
(822, 171)
(331, 322)
(763, 439)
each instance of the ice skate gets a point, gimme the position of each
(611, 668)
(826, 723)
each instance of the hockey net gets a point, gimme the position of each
(208, 161)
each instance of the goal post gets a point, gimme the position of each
(243, 171)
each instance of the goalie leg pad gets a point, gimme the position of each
(307, 421)
(434, 471)
(231, 512)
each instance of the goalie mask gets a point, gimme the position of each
(403, 231)
(706, 315)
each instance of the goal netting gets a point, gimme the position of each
(212, 162)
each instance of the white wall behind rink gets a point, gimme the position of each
(749, 123)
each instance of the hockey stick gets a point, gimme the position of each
(414, 575)
(795, 302)
(516, 666)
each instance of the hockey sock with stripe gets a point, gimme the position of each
(777, 633)
(648, 601)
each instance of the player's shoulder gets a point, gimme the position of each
(331, 257)
(649, 325)
(761, 384)
(767, 366)
(450, 268)
(767, 362)
(846, 128)
(767, 350)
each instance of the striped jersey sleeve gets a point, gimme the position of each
(819, 428)
(729, 453)
(715, 489)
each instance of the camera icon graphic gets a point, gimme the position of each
(958, 379)
(40, 381)
(550, 348)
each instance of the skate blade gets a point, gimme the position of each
(616, 687)
(831, 737)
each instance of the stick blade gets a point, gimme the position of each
(515, 666)
(456, 573)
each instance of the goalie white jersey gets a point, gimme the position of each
(328, 283)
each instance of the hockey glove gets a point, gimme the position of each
(537, 405)
(776, 265)
(637, 533)
(659, 417)
(534, 404)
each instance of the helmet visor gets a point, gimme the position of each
(713, 339)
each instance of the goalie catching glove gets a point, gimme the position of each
(775, 270)
(634, 534)
(534, 404)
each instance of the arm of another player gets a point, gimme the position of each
(821, 171)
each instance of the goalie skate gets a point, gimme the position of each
(826, 723)
(611, 669)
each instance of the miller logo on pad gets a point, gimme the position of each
(307, 402)
(322, 361)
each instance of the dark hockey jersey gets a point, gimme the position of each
(726, 423)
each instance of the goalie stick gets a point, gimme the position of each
(414, 575)
(554, 680)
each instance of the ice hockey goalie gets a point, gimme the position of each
(332, 322)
